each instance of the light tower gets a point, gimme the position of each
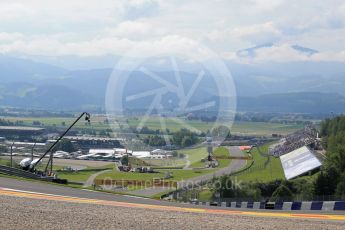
(209, 147)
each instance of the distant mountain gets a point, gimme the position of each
(25, 70)
(293, 86)
(271, 78)
(52, 97)
(306, 102)
(30, 84)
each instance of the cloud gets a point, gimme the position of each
(259, 34)
(14, 11)
(132, 30)
(87, 27)
(256, 34)
(267, 5)
(9, 37)
(172, 44)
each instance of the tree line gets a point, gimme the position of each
(331, 180)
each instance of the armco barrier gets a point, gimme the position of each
(285, 206)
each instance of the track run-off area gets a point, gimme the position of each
(58, 193)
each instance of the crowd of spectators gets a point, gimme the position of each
(296, 140)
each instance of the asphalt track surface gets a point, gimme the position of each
(39, 211)
(40, 190)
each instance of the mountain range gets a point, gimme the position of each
(308, 87)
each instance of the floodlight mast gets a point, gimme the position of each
(87, 118)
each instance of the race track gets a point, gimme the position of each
(39, 205)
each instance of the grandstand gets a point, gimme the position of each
(305, 137)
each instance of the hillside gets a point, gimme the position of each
(289, 87)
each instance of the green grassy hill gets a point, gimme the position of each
(259, 173)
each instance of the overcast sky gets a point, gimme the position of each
(96, 28)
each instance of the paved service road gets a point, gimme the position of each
(90, 180)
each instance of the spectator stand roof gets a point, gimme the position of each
(298, 162)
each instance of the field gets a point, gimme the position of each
(177, 175)
(80, 176)
(252, 128)
(98, 123)
(258, 173)
(83, 175)
(221, 151)
(166, 163)
(195, 155)
(5, 162)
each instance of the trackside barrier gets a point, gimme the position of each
(278, 205)
(328, 205)
(214, 204)
(250, 204)
(339, 205)
(306, 206)
(21, 173)
(272, 205)
(286, 206)
(296, 205)
(315, 205)
(256, 205)
(238, 204)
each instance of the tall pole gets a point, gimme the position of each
(51, 162)
(270, 167)
(12, 154)
(127, 159)
(32, 152)
(46, 168)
